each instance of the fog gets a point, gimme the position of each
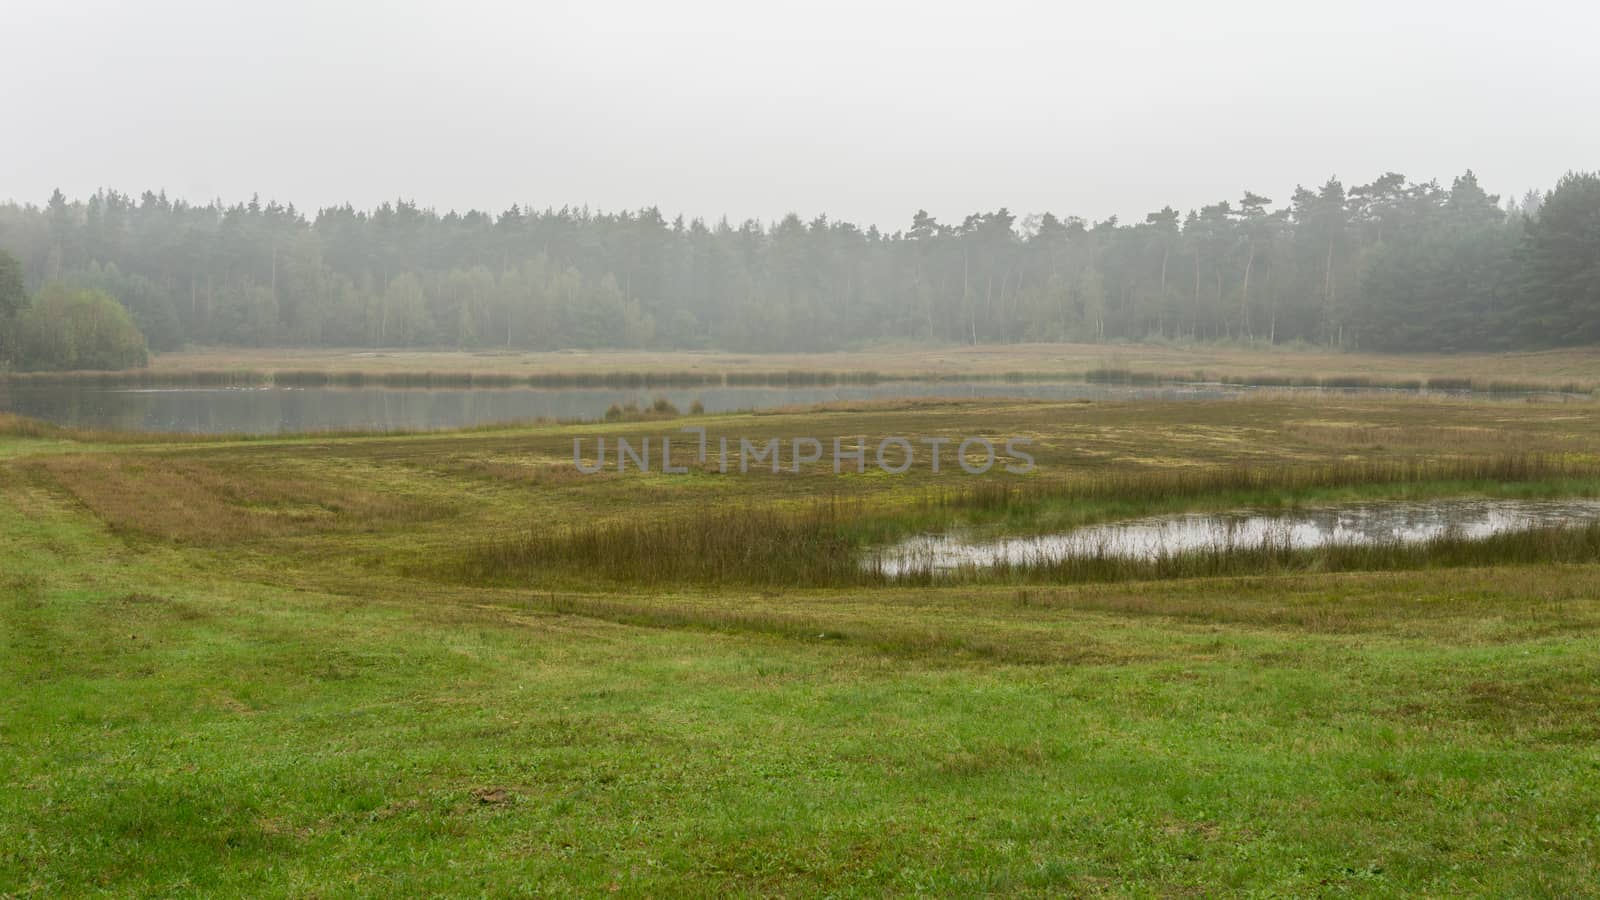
(863, 112)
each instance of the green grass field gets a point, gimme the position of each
(277, 666)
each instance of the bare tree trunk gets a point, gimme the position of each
(1327, 290)
(1327, 276)
(1194, 312)
(1244, 299)
(1009, 317)
(966, 297)
(1272, 325)
(1161, 299)
(988, 305)
(1222, 315)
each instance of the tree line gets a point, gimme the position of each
(1389, 265)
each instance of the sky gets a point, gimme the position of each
(864, 111)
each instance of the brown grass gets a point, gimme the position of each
(826, 543)
(1164, 484)
(731, 545)
(194, 501)
(1351, 436)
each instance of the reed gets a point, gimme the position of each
(826, 546)
(1167, 484)
(659, 408)
(623, 379)
(1454, 384)
(138, 378)
(12, 425)
(829, 543)
(1125, 376)
(729, 545)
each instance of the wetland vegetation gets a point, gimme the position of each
(854, 450)
(354, 662)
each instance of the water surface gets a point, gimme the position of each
(275, 410)
(1155, 537)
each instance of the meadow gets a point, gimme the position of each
(361, 664)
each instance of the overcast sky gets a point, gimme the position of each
(865, 111)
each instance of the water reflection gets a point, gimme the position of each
(272, 410)
(1149, 539)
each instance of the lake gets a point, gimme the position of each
(274, 410)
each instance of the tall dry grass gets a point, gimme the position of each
(1164, 484)
(829, 543)
(729, 545)
(1346, 381)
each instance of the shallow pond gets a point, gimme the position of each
(1152, 538)
(274, 410)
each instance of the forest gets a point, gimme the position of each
(1393, 264)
